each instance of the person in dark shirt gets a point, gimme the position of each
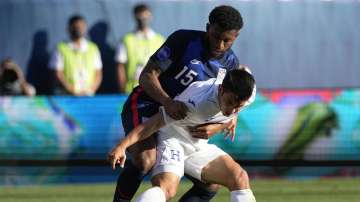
(12, 80)
(185, 57)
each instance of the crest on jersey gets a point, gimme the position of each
(163, 53)
(191, 102)
(195, 61)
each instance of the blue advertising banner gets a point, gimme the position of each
(319, 125)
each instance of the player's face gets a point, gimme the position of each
(219, 40)
(229, 104)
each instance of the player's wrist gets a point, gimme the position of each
(166, 102)
(123, 144)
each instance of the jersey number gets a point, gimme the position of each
(189, 76)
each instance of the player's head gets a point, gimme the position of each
(236, 89)
(222, 29)
(77, 27)
(142, 15)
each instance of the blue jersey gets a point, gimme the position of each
(183, 59)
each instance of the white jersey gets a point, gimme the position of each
(201, 98)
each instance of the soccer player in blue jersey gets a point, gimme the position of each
(185, 57)
(178, 152)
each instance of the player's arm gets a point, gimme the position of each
(142, 131)
(159, 62)
(151, 84)
(207, 130)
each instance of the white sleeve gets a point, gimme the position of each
(97, 60)
(121, 54)
(169, 120)
(166, 117)
(56, 61)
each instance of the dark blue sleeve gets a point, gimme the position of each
(171, 51)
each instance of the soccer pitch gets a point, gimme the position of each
(323, 190)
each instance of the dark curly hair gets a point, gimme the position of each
(226, 17)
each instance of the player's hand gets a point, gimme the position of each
(230, 130)
(117, 156)
(205, 131)
(176, 109)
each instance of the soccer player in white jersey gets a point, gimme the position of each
(178, 151)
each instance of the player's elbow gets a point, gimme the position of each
(143, 79)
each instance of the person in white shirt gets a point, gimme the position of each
(178, 151)
(134, 51)
(77, 63)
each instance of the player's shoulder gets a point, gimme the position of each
(201, 84)
(187, 34)
(197, 87)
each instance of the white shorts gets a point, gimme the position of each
(176, 156)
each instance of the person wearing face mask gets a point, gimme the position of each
(77, 63)
(136, 48)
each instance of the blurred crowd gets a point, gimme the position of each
(76, 64)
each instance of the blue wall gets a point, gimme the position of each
(288, 44)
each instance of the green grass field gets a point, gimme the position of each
(326, 190)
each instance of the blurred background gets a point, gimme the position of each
(304, 54)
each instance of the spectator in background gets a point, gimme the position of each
(12, 80)
(136, 48)
(77, 64)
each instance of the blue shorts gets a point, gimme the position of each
(136, 110)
